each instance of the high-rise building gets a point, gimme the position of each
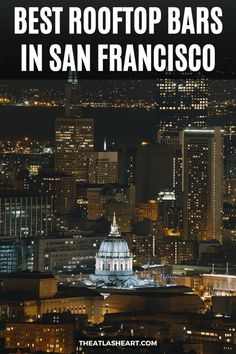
(74, 141)
(105, 200)
(202, 183)
(96, 200)
(72, 96)
(18, 255)
(103, 167)
(11, 164)
(183, 103)
(170, 214)
(62, 186)
(173, 250)
(25, 214)
(9, 257)
(58, 184)
(127, 159)
(147, 211)
(156, 169)
(74, 135)
(143, 249)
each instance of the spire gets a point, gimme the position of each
(105, 145)
(114, 219)
(114, 227)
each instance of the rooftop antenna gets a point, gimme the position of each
(227, 268)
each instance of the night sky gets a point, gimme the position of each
(122, 126)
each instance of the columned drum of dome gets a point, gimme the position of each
(114, 262)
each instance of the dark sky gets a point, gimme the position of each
(10, 43)
(122, 126)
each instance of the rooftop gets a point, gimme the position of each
(63, 292)
(171, 290)
(29, 275)
(21, 193)
(69, 291)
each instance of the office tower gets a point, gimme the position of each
(17, 255)
(202, 183)
(169, 137)
(103, 167)
(74, 142)
(170, 215)
(174, 213)
(58, 184)
(67, 253)
(11, 163)
(25, 214)
(104, 201)
(72, 96)
(230, 167)
(130, 171)
(108, 167)
(74, 135)
(127, 158)
(155, 169)
(173, 250)
(62, 186)
(143, 249)
(183, 103)
(96, 200)
(147, 211)
(9, 257)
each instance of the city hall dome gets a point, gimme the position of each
(114, 254)
(114, 263)
(114, 247)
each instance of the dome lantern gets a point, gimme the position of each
(114, 227)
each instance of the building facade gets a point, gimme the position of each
(24, 214)
(27, 296)
(183, 103)
(103, 167)
(74, 141)
(202, 151)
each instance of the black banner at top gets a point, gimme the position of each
(117, 39)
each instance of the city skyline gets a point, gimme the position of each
(118, 220)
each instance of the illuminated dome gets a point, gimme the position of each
(114, 247)
(114, 262)
(114, 256)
